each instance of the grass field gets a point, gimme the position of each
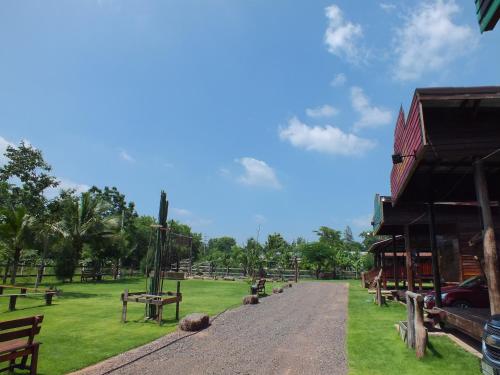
(83, 325)
(374, 346)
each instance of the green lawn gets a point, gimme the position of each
(374, 346)
(83, 325)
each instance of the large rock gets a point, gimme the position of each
(250, 300)
(194, 322)
(277, 290)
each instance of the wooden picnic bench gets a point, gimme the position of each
(17, 341)
(259, 287)
(90, 274)
(48, 294)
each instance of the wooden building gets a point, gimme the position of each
(389, 255)
(448, 151)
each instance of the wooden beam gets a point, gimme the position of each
(395, 262)
(489, 242)
(436, 274)
(409, 260)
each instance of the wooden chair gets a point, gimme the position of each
(17, 341)
(259, 288)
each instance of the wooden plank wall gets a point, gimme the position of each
(408, 140)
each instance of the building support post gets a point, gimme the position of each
(435, 254)
(409, 260)
(491, 266)
(395, 261)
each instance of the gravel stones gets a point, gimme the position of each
(298, 332)
(194, 322)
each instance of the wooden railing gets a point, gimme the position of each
(416, 334)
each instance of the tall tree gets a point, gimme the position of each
(31, 173)
(83, 222)
(15, 232)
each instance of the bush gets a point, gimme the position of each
(65, 265)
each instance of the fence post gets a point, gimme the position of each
(417, 334)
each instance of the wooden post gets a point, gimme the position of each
(12, 302)
(23, 290)
(395, 262)
(420, 331)
(160, 314)
(491, 265)
(296, 264)
(436, 274)
(410, 310)
(417, 334)
(177, 303)
(1, 289)
(48, 298)
(409, 260)
(124, 308)
(384, 278)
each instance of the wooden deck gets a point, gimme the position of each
(470, 321)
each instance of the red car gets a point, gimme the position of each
(472, 292)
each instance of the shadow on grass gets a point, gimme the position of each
(433, 350)
(78, 295)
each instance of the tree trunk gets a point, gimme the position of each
(6, 273)
(15, 263)
(39, 274)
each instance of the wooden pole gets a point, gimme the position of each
(491, 265)
(124, 308)
(410, 310)
(420, 331)
(436, 274)
(296, 264)
(177, 302)
(409, 260)
(384, 277)
(395, 261)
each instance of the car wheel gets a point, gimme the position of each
(461, 304)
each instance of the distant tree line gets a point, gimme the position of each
(100, 229)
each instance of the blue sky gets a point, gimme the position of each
(278, 113)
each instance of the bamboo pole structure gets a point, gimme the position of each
(154, 282)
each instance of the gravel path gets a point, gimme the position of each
(301, 331)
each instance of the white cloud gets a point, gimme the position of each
(258, 173)
(370, 116)
(181, 211)
(387, 7)
(3, 147)
(338, 80)
(430, 40)
(327, 139)
(341, 36)
(125, 156)
(322, 111)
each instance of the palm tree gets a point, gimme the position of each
(15, 233)
(84, 221)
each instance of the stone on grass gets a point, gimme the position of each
(250, 300)
(229, 278)
(194, 322)
(277, 290)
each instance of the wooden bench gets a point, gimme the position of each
(90, 274)
(259, 288)
(17, 341)
(48, 294)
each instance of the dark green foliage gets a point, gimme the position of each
(65, 264)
